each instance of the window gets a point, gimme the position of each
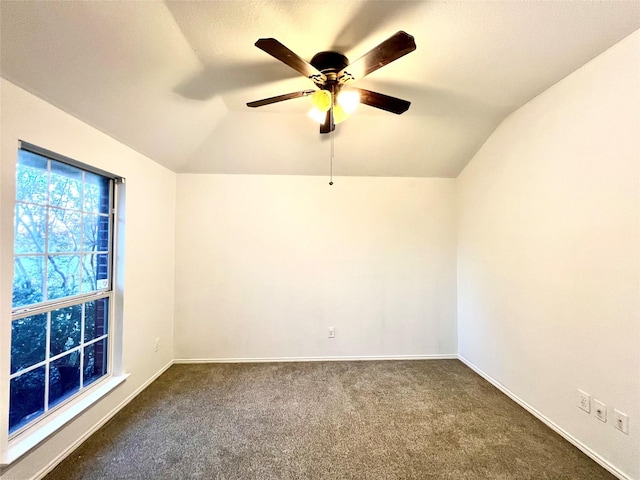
(62, 284)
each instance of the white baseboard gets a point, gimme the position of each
(452, 356)
(65, 453)
(549, 423)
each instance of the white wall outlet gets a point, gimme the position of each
(156, 345)
(332, 332)
(600, 410)
(621, 421)
(584, 401)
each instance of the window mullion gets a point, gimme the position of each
(47, 354)
(96, 340)
(81, 246)
(45, 280)
(111, 223)
(82, 340)
(35, 366)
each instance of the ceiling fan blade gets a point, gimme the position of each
(280, 98)
(382, 101)
(394, 47)
(277, 50)
(328, 125)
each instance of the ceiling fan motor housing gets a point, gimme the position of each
(329, 63)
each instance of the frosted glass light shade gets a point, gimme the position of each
(339, 114)
(348, 100)
(321, 99)
(317, 115)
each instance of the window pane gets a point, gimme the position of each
(96, 233)
(28, 273)
(96, 319)
(65, 329)
(95, 271)
(28, 341)
(95, 361)
(96, 193)
(30, 226)
(65, 186)
(32, 178)
(65, 230)
(26, 398)
(64, 377)
(63, 276)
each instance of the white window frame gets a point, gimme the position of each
(16, 444)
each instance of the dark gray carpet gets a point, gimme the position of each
(331, 420)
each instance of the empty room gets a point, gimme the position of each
(272, 239)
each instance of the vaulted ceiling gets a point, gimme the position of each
(171, 79)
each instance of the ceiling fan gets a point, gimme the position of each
(331, 72)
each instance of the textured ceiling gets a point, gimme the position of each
(171, 79)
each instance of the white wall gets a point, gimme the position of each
(549, 238)
(265, 264)
(149, 251)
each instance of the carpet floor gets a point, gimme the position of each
(379, 420)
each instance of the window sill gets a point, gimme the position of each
(30, 439)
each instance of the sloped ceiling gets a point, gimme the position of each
(171, 79)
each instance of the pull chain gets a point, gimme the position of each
(331, 160)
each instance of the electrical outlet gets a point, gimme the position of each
(332, 332)
(156, 345)
(584, 401)
(600, 410)
(621, 421)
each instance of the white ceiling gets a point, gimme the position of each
(171, 79)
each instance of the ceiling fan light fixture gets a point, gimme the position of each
(317, 115)
(339, 114)
(348, 100)
(321, 100)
